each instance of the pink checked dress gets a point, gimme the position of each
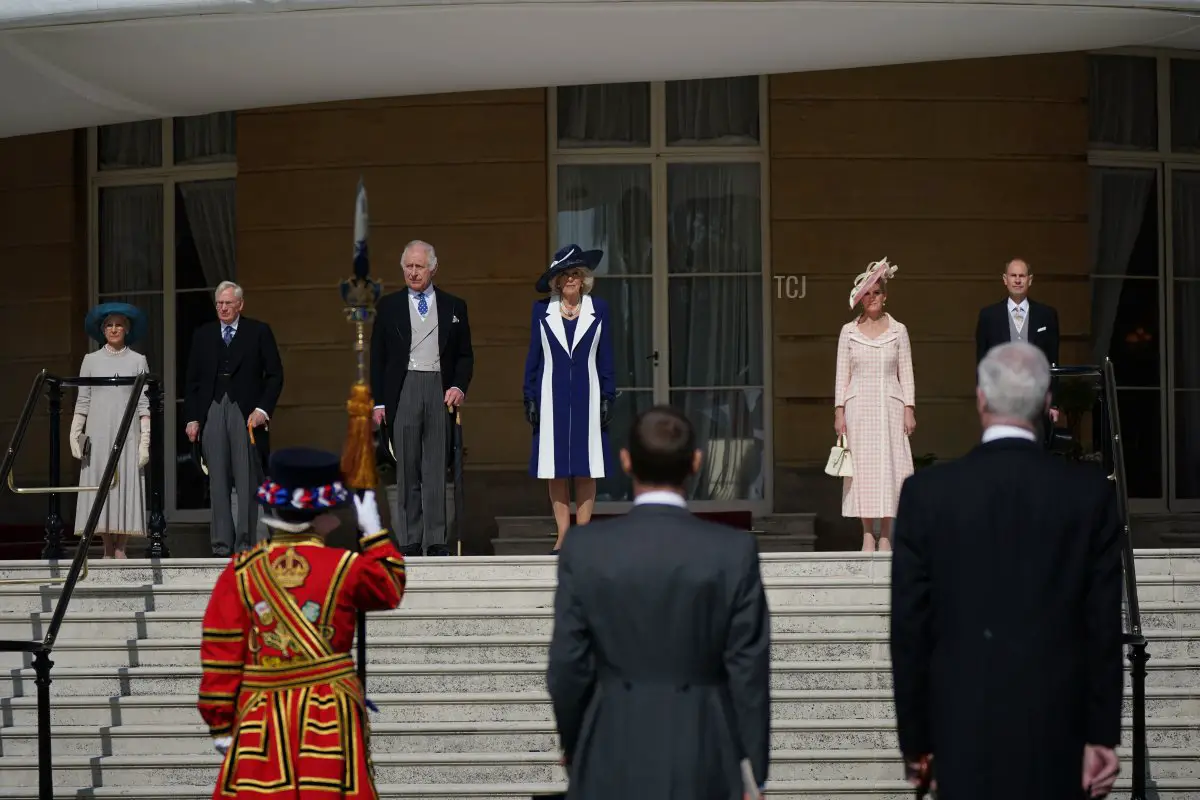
(874, 383)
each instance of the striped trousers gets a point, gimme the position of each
(419, 438)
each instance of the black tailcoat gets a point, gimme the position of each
(992, 329)
(257, 374)
(1006, 621)
(391, 345)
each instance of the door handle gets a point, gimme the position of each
(654, 357)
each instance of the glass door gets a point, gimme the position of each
(1128, 322)
(669, 180)
(609, 207)
(714, 309)
(1183, 441)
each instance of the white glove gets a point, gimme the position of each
(223, 743)
(144, 444)
(76, 436)
(368, 513)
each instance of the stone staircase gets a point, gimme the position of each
(458, 674)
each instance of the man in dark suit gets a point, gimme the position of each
(421, 365)
(660, 659)
(234, 379)
(1017, 318)
(1006, 607)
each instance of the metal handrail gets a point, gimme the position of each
(1133, 636)
(41, 650)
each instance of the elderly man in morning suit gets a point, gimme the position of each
(234, 379)
(1006, 607)
(421, 363)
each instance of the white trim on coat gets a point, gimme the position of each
(545, 466)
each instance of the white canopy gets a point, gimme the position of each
(74, 63)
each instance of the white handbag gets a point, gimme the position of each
(840, 464)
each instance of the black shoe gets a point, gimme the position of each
(554, 552)
(437, 550)
(411, 550)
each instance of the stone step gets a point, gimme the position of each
(522, 677)
(436, 595)
(853, 646)
(803, 764)
(508, 568)
(480, 649)
(448, 622)
(540, 544)
(495, 622)
(1166, 789)
(540, 566)
(532, 706)
(431, 595)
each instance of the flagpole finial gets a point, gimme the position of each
(360, 294)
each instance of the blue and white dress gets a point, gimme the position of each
(568, 369)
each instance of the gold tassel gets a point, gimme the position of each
(358, 457)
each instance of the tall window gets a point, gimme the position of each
(163, 236)
(668, 179)
(1145, 220)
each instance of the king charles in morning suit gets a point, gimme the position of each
(391, 340)
(421, 364)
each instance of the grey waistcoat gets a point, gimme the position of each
(1013, 334)
(425, 355)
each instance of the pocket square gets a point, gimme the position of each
(1039, 330)
(456, 320)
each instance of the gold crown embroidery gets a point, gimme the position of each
(291, 569)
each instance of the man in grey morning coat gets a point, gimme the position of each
(660, 660)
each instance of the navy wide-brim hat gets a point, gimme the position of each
(304, 479)
(565, 259)
(93, 323)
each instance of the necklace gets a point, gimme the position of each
(569, 313)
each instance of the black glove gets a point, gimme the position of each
(531, 413)
(605, 413)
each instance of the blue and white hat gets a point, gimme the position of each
(568, 258)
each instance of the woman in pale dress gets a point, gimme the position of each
(874, 406)
(98, 412)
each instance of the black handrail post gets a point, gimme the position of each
(53, 550)
(41, 668)
(1137, 662)
(156, 479)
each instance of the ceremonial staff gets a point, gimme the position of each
(360, 294)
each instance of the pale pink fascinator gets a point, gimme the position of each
(877, 271)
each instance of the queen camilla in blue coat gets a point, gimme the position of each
(570, 385)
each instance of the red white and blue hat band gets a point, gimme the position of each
(317, 498)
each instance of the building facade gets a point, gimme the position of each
(734, 214)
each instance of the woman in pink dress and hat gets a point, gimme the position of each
(874, 406)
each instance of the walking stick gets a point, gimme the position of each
(360, 294)
(458, 479)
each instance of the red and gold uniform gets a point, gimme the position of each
(277, 673)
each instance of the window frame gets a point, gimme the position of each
(658, 155)
(167, 176)
(1165, 162)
